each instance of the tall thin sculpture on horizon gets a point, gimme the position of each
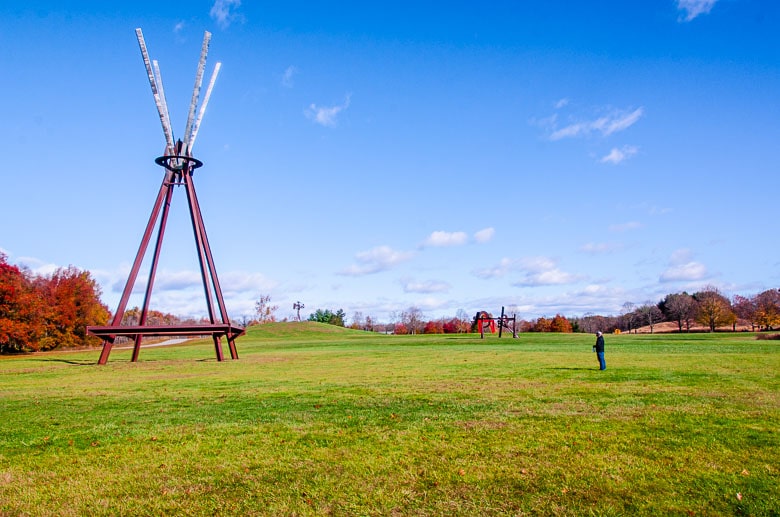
(179, 165)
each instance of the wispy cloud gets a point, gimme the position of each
(484, 235)
(683, 268)
(502, 268)
(616, 155)
(625, 227)
(425, 287)
(375, 260)
(178, 27)
(598, 248)
(541, 271)
(288, 76)
(693, 8)
(561, 103)
(613, 122)
(224, 12)
(440, 238)
(326, 115)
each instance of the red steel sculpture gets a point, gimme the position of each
(179, 166)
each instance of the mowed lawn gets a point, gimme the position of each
(318, 420)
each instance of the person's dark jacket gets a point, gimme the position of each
(600, 344)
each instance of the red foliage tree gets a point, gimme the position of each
(22, 324)
(400, 328)
(433, 327)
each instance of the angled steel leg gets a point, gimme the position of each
(120, 311)
(214, 276)
(153, 269)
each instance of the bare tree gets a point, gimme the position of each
(412, 319)
(650, 314)
(265, 311)
(629, 315)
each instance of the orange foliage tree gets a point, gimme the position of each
(21, 310)
(46, 312)
(560, 324)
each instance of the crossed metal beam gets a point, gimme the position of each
(179, 166)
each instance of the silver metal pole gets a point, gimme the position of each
(204, 50)
(153, 84)
(206, 98)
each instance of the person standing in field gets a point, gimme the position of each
(599, 348)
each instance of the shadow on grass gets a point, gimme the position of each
(77, 363)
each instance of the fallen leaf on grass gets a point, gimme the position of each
(739, 496)
(461, 472)
(745, 472)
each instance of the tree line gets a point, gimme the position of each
(707, 308)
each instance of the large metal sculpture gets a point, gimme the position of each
(179, 165)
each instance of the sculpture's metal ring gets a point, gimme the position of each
(184, 162)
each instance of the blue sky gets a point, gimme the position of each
(552, 157)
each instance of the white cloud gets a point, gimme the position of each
(484, 235)
(693, 8)
(541, 271)
(178, 27)
(175, 280)
(683, 268)
(375, 260)
(223, 12)
(37, 266)
(426, 287)
(502, 268)
(440, 238)
(624, 227)
(686, 272)
(561, 103)
(537, 271)
(326, 115)
(241, 281)
(287, 77)
(613, 122)
(619, 155)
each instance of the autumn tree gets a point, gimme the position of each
(542, 325)
(22, 324)
(680, 308)
(434, 327)
(266, 313)
(768, 309)
(714, 309)
(73, 300)
(560, 324)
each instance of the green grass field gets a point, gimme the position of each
(318, 420)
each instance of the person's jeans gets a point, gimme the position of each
(602, 362)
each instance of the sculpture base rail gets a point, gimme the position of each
(109, 333)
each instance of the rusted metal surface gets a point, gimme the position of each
(179, 166)
(109, 333)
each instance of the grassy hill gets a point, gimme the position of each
(318, 420)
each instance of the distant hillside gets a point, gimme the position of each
(302, 330)
(666, 327)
